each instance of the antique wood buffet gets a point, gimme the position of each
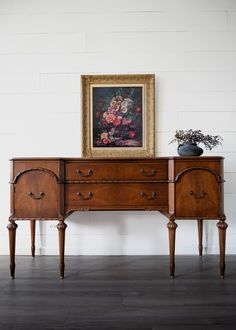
(178, 187)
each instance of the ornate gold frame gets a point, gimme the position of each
(148, 82)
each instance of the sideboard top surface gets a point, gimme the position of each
(115, 159)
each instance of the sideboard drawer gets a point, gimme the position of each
(104, 171)
(102, 196)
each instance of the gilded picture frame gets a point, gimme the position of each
(118, 115)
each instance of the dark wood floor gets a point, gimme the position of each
(118, 293)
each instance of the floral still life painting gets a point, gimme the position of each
(118, 114)
(117, 117)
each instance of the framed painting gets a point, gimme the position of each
(118, 115)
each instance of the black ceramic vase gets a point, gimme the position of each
(188, 149)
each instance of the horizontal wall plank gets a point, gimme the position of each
(221, 122)
(19, 83)
(52, 6)
(35, 103)
(42, 43)
(147, 21)
(163, 41)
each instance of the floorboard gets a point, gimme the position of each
(118, 292)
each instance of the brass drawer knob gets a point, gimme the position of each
(144, 195)
(81, 173)
(81, 196)
(40, 196)
(198, 195)
(145, 173)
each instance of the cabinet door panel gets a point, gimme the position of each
(197, 194)
(35, 195)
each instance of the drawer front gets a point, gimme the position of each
(104, 171)
(118, 196)
(36, 195)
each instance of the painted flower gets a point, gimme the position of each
(110, 118)
(126, 121)
(138, 109)
(106, 141)
(128, 102)
(117, 122)
(131, 134)
(114, 105)
(113, 102)
(112, 131)
(104, 135)
(123, 109)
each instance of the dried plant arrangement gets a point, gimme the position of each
(188, 139)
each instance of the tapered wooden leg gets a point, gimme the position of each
(12, 226)
(32, 231)
(61, 231)
(222, 226)
(200, 231)
(172, 228)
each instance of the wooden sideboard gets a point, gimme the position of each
(178, 187)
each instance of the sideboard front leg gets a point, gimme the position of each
(222, 226)
(61, 231)
(32, 231)
(172, 228)
(12, 226)
(200, 231)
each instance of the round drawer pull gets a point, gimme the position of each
(90, 195)
(144, 195)
(145, 173)
(81, 173)
(40, 196)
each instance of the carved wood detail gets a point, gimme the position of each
(218, 177)
(34, 169)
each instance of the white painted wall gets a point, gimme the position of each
(45, 45)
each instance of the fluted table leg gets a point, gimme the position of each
(12, 226)
(172, 228)
(61, 232)
(200, 231)
(222, 226)
(32, 231)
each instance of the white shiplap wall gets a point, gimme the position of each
(45, 45)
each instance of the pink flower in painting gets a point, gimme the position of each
(117, 122)
(131, 134)
(138, 109)
(113, 102)
(110, 118)
(126, 121)
(106, 141)
(113, 110)
(114, 105)
(104, 135)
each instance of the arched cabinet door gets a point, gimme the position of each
(36, 195)
(198, 194)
